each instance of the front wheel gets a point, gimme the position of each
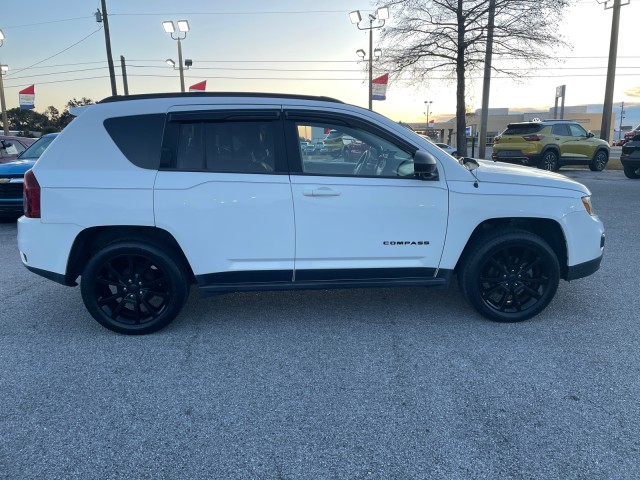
(599, 162)
(510, 276)
(133, 288)
(632, 172)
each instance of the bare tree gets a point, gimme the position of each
(448, 37)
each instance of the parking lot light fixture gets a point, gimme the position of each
(375, 21)
(169, 27)
(170, 62)
(183, 27)
(361, 53)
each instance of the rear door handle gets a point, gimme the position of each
(320, 192)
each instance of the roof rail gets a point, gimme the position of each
(145, 96)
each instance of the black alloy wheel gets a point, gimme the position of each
(549, 161)
(599, 162)
(133, 288)
(511, 276)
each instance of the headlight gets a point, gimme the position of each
(586, 201)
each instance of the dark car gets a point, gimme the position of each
(11, 147)
(630, 157)
(12, 176)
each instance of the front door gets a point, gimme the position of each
(362, 217)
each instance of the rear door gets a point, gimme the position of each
(223, 192)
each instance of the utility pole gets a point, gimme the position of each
(611, 70)
(486, 86)
(124, 75)
(107, 39)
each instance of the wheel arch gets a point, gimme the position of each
(92, 239)
(601, 149)
(549, 230)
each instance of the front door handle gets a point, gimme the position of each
(320, 192)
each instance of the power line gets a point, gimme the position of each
(55, 54)
(46, 23)
(255, 12)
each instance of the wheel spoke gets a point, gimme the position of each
(516, 300)
(153, 282)
(114, 272)
(164, 295)
(498, 265)
(118, 309)
(151, 309)
(106, 300)
(491, 291)
(532, 292)
(108, 282)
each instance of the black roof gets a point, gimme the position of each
(144, 96)
(550, 121)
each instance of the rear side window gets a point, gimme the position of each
(225, 146)
(522, 129)
(139, 138)
(561, 129)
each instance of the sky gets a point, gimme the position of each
(282, 46)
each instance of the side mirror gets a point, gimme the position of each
(590, 135)
(469, 163)
(424, 163)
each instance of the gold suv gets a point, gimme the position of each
(550, 144)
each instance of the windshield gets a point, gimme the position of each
(35, 150)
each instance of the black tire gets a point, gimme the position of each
(599, 162)
(549, 161)
(133, 288)
(509, 276)
(632, 172)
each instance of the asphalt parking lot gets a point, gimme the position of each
(385, 383)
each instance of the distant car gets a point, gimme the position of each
(12, 177)
(550, 144)
(632, 133)
(448, 148)
(11, 147)
(630, 157)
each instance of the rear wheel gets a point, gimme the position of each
(599, 162)
(510, 276)
(632, 172)
(133, 288)
(549, 161)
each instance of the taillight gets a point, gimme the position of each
(31, 195)
(533, 138)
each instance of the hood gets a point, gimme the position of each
(498, 172)
(16, 167)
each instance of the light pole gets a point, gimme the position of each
(428, 105)
(3, 105)
(183, 27)
(379, 18)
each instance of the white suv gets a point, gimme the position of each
(142, 196)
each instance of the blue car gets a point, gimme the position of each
(12, 177)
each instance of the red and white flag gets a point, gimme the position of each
(379, 87)
(198, 87)
(27, 98)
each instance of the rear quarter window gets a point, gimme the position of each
(139, 138)
(522, 129)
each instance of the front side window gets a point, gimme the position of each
(218, 146)
(328, 149)
(577, 131)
